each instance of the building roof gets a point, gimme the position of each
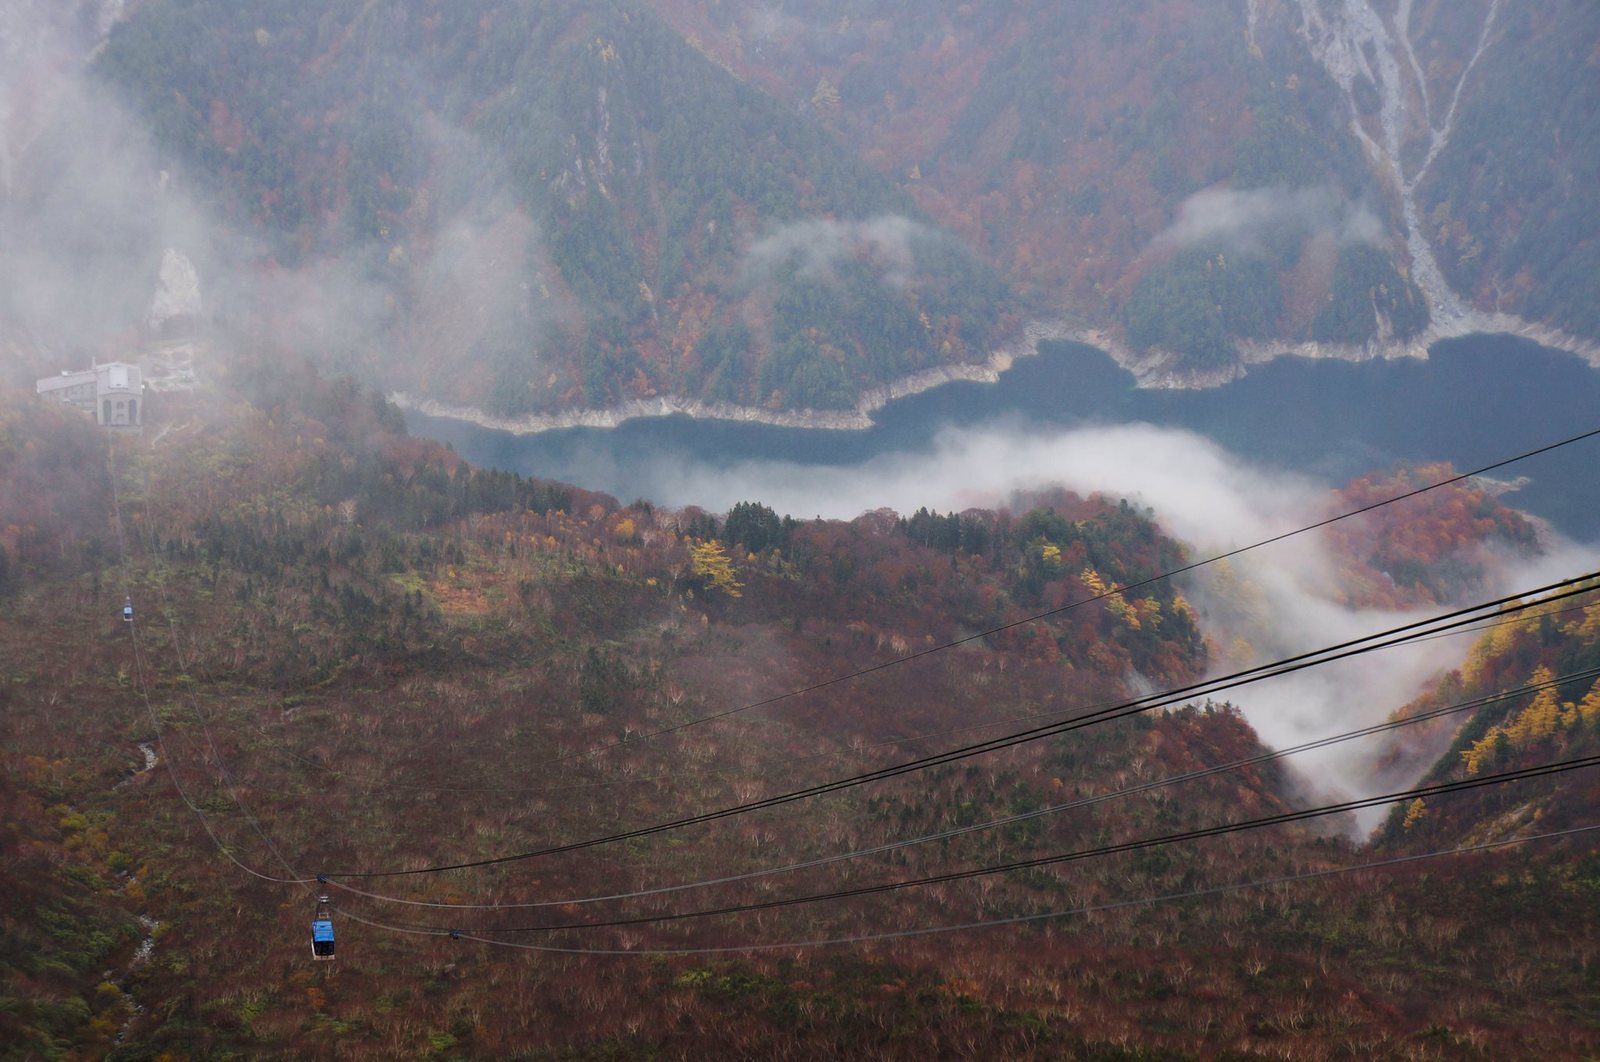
(111, 378)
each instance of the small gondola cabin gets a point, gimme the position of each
(322, 933)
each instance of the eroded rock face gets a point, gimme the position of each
(177, 296)
(1359, 49)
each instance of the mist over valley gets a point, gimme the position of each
(799, 528)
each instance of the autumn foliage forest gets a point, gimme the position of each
(1029, 130)
(534, 207)
(353, 652)
(530, 207)
(483, 705)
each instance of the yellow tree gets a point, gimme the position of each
(1589, 707)
(1114, 601)
(710, 562)
(1540, 718)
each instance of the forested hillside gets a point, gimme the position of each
(529, 206)
(1553, 653)
(596, 779)
(1512, 202)
(1154, 165)
(352, 653)
(1102, 157)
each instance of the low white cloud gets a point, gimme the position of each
(766, 24)
(819, 244)
(1266, 604)
(89, 219)
(109, 245)
(1246, 219)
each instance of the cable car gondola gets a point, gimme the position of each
(322, 933)
(127, 610)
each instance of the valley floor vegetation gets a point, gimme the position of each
(354, 652)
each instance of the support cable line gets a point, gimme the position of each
(225, 780)
(1083, 802)
(993, 923)
(166, 759)
(934, 649)
(323, 945)
(1354, 647)
(1115, 591)
(368, 782)
(1139, 844)
(142, 684)
(228, 782)
(225, 777)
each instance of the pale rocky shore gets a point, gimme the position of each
(1152, 369)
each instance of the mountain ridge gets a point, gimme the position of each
(601, 208)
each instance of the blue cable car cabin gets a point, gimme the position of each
(322, 933)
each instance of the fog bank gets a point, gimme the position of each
(1266, 604)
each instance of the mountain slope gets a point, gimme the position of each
(359, 653)
(1559, 721)
(529, 206)
(1512, 202)
(1101, 156)
(1105, 158)
(540, 205)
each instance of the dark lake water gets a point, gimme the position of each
(1474, 401)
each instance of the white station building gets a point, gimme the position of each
(113, 393)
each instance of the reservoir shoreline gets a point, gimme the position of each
(1154, 369)
(1472, 401)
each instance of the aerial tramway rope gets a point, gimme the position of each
(1355, 647)
(1281, 667)
(1421, 792)
(993, 923)
(370, 783)
(1082, 802)
(1114, 591)
(155, 722)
